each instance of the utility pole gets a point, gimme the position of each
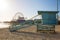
(57, 5)
(57, 10)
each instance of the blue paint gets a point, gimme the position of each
(49, 17)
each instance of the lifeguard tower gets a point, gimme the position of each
(48, 21)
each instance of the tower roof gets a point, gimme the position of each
(40, 12)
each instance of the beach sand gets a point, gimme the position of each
(29, 33)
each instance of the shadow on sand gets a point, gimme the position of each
(40, 35)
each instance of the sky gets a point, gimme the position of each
(29, 8)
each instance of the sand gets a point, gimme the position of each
(29, 33)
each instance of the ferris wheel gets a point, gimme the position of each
(17, 16)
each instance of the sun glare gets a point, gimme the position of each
(3, 9)
(3, 5)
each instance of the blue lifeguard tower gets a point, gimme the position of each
(48, 21)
